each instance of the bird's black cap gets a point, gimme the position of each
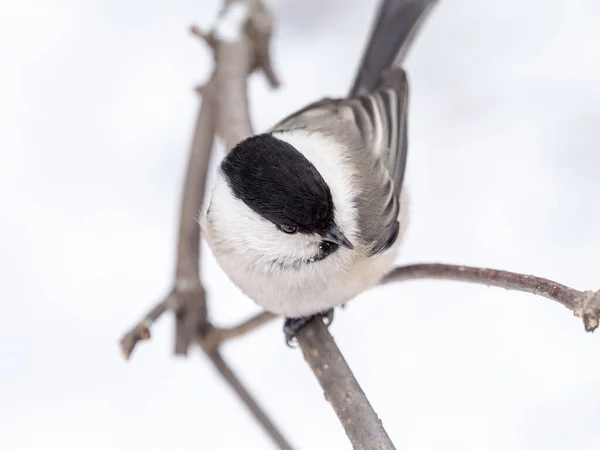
(278, 182)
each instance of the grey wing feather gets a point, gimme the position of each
(374, 129)
(382, 120)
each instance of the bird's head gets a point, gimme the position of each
(271, 208)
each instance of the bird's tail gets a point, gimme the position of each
(393, 32)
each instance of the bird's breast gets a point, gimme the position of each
(313, 288)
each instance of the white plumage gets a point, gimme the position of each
(273, 268)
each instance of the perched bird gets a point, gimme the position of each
(309, 214)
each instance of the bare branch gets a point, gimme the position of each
(240, 45)
(187, 297)
(215, 337)
(141, 331)
(584, 304)
(362, 425)
(589, 310)
(260, 29)
(190, 298)
(207, 38)
(248, 400)
(188, 246)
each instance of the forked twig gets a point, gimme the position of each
(224, 111)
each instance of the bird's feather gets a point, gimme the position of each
(373, 127)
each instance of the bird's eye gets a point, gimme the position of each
(289, 229)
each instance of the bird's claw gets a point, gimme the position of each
(327, 316)
(292, 325)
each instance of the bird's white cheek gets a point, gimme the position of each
(235, 231)
(282, 248)
(254, 241)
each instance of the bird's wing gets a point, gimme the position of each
(378, 120)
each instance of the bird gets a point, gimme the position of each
(309, 214)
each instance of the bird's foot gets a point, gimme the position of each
(292, 325)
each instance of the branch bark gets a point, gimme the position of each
(216, 336)
(258, 413)
(362, 425)
(584, 304)
(188, 296)
(240, 45)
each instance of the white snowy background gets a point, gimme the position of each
(96, 114)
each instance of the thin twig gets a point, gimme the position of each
(187, 297)
(584, 304)
(217, 336)
(362, 425)
(141, 331)
(207, 38)
(248, 400)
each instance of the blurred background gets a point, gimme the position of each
(97, 109)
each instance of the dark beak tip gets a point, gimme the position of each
(337, 237)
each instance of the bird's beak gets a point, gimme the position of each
(334, 235)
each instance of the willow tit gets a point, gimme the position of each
(309, 214)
